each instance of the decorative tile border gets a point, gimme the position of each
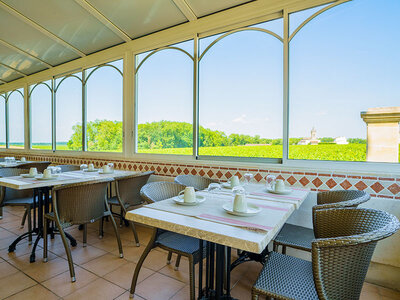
(381, 187)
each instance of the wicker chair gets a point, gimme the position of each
(79, 203)
(346, 239)
(11, 197)
(198, 182)
(128, 196)
(172, 242)
(299, 237)
(40, 165)
(68, 168)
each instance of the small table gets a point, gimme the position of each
(42, 189)
(208, 222)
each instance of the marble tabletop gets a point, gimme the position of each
(20, 183)
(223, 233)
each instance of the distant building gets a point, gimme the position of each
(341, 140)
(311, 140)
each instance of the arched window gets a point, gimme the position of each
(40, 98)
(240, 94)
(343, 62)
(104, 107)
(68, 101)
(16, 118)
(165, 100)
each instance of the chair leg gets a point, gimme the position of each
(169, 257)
(178, 261)
(1, 212)
(67, 250)
(28, 210)
(121, 254)
(84, 235)
(275, 247)
(24, 218)
(135, 234)
(283, 249)
(45, 222)
(192, 278)
(255, 296)
(101, 233)
(120, 217)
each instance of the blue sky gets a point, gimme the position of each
(341, 63)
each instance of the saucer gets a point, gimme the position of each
(251, 210)
(46, 178)
(28, 176)
(286, 191)
(179, 200)
(102, 172)
(87, 170)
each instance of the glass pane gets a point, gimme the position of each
(69, 113)
(334, 77)
(16, 119)
(40, 105)
(104, 109)
(2, 121)
(241, 97)
(165, 103)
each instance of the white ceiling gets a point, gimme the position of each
(38, 34)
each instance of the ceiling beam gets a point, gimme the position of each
(103, 19)
(12, 47)
(2, 81)
(185, 8)
(13, 69)
(38, 27)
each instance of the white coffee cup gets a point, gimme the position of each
(90, 167)
(279, 185)
(23, 159)
(32, 171)
(47, 173)
(188, 194)
(240, 203)
(234, 181)
(106, 169)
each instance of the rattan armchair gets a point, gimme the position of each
(40, 165)
(346, 239)
(172, 242)
(74, 204)
(128, 196)
(68, 168)
(11, 197)
(198, 182)
(299, 237)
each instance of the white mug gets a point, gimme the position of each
(240, 203)
(106, 169)
(32, 171)
(47, 173)
(188, 194)
(90, 167)
(235, 181)
(23, 159)
(279, 185)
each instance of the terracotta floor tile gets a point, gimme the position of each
(4, 243)
(158, 286)
(131, 252)
(22, 262)
(35, 292)
(9, 218)
(21, 249)
(391, 294)
(125, 296)
(62, 286)
(6, 234)
(98, 289)
(6, 269)
(123, 275)
(41, 271)
(110, 244)
(156, 260)
(184, 293)
(14, 283)
(104, 264)
(80, 254)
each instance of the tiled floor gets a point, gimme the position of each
(101, 274)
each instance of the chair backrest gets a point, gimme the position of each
(128, 188)
(198, 182)
(40, 165)
(82, 202)
(348, 198)
(67, 168)
(342, 252)
(160, 190)
(8, 193)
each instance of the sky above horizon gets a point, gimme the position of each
(343, 62)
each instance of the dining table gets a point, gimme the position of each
(217, 228)
(14, 164)
(42, 195)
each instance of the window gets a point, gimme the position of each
(240, 95)
(16, 118)
(40, 115)
(342, 63)
(2, 120)
(165, 101)
(104, 107)
(68, 99)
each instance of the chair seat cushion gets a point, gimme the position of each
(179, 242)
(19, 201)
(286, 277)
(295, 236)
